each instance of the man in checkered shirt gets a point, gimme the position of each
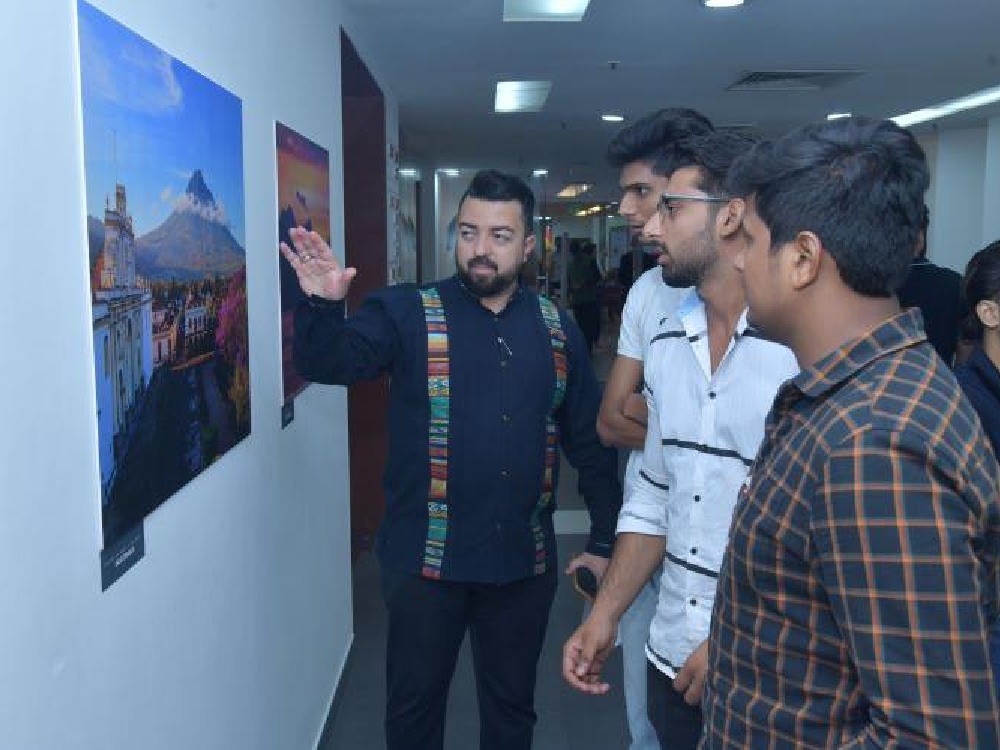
(855, 598)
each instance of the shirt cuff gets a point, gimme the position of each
(633, 522)
(322, 303)
(599, 548)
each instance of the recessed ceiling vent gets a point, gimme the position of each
(792, 80)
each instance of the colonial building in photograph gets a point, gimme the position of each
(123, 331)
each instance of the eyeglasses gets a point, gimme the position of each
(665, 204)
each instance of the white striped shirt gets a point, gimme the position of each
(648, 303)
(704, 432)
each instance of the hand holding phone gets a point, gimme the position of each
(585, 582)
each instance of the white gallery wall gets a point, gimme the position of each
(232, 632)
(964, 198)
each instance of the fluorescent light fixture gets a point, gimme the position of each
(521, 96)
(722, 3)
(972, 101)
(581, 213)
(450, 172)
(838, 116)
(611, 117)
(573, 190)
(540, 172)
(544, 10)
(408, 172)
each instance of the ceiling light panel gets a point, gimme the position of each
(544, 10)
(573, 190)
(972, 101)
(521, 96)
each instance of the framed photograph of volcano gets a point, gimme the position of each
(303, 201)
(163, 161)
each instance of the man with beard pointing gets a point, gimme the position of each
(487, 381)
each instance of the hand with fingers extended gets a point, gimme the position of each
(690, 681)
(586, 651)
(316, 266)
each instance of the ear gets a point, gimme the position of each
(529, 246)
(988, 313)
(730, 218)
(804, 256)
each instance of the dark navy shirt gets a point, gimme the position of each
(980, 380)
(502, 382)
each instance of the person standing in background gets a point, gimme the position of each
(979, 375)
(584, 282)
(937, 291)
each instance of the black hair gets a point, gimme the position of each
(713, 153)
(981, 282)
(646, 138)
(857, 183)
(498, 187)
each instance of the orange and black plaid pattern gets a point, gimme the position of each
(861, 578)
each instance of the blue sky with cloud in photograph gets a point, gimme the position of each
(149, 121)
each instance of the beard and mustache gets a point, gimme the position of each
(486, 286)
(681, 273)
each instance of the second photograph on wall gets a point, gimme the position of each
(303, 171)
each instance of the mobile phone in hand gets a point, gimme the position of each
(585, 582)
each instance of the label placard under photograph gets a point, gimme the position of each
(118, 558)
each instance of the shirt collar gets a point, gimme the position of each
(985, 369)
(901, 331)
(691, 313)
(473, 299)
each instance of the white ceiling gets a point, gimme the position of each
(442, 58)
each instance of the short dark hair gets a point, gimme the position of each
(646, 138)
(857, 183)
(499, 187)
(713, 153)
(981, 282)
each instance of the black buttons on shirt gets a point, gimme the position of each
(694, 550)
(505, 417)
(694, 602)
(711, 394)
(697, 498)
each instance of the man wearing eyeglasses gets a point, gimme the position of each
(621, 422)
(710, 381)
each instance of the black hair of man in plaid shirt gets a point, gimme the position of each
(861, 580)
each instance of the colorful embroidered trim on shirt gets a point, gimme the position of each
(557, 338)
(439, 392)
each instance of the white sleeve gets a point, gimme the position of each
(630, 340)
(645, 508)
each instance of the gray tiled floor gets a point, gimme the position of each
(566, 720)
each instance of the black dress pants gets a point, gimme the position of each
(428, 620)
(677, 725)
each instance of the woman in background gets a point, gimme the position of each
(979, 375)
